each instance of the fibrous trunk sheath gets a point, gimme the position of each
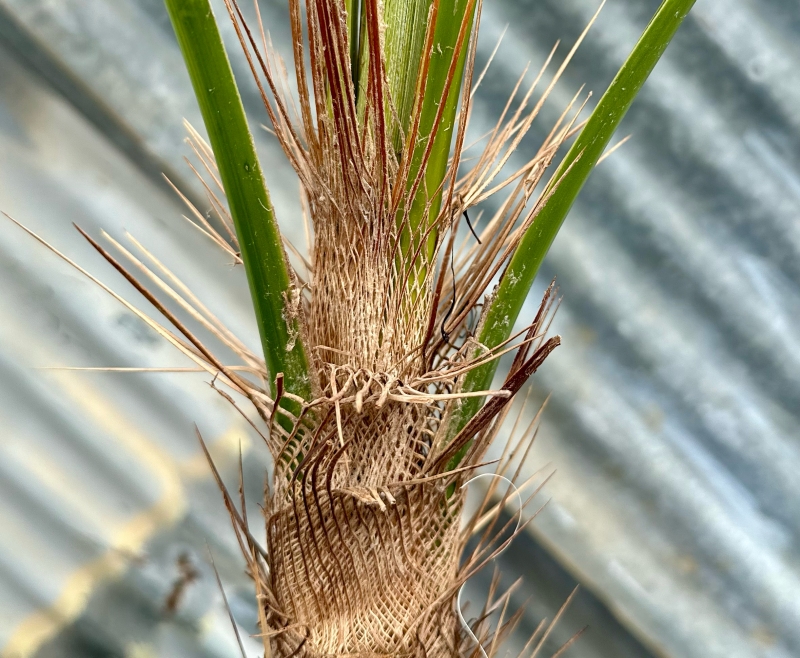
(364, 544)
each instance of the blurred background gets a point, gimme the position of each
(673, 422)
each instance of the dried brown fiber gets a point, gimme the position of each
(364, 552)
(364, 542)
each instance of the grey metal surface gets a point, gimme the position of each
(676, 397)
(95, 468)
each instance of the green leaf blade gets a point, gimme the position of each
(571, 176)
(424, 207)
(242, 179)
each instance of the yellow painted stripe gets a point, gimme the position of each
(129, 538)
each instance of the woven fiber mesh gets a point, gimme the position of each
(363, 524)
(363, 550)
(364, 542)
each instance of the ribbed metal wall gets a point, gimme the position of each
(675, 398)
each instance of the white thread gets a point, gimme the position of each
(461, 589)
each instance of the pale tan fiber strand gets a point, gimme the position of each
(239, 346)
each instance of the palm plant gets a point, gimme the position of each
(374, 392)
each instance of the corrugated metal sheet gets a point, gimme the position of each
(96, 468)
(673, 421)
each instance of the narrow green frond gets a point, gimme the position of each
(431, 150)
(248, 198)
(406, 22)
(450, 17)
(568, 181)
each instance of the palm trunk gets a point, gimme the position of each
(374, 399)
